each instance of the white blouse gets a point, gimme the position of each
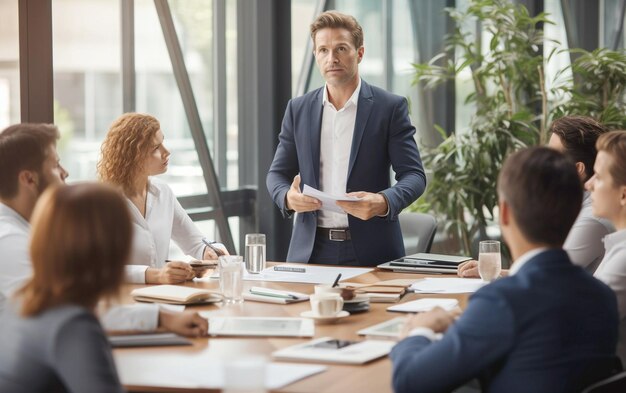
(165, 219)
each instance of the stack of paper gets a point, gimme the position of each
(388, 291)
(448, 285)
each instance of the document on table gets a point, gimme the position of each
(197, 370)
(328, 200)
(448, 285)
(311, 274)
(425, 304)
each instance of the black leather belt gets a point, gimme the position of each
(335, 234)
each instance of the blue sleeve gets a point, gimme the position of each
(405, 161)
(82, 358)
(285, 164)
(482, 336)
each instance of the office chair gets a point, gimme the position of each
(613, 384)
(418, 231)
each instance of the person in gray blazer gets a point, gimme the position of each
(51, 339)
(343, 139)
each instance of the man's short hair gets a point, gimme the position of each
(336, 20)
(579, 135)
(532, 182)
(23, 147)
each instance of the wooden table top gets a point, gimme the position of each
(372, 377)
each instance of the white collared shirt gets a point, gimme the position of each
(165, 219)
(612, 272)
(16, 269)
(521, 261)
(335, 145)
(584, 241)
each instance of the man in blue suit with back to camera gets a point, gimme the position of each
(343, 139)
(548, 327)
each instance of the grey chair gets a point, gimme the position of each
(418, 231)
(613, 384)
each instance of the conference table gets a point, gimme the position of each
(371, 377)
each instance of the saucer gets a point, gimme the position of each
(319, 319)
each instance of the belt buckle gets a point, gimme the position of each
(340, 235)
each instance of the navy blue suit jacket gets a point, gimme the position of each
(551, 327)
(383, 138)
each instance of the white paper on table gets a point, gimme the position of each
(312, 275)
(448, 285)
(328, 200)
(423, 305)
(187, 370)
(171, 307)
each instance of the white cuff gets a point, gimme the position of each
(136, 274)
(142, 317)
(425, 332)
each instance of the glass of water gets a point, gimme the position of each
(489, 261)
(231, 278)
(255, 252)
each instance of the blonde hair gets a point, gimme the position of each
(125, 148)
(614, 143)
(336, 20)
(81, 240)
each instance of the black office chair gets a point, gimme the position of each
(613, 384)
(418, 231)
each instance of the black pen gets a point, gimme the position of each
(212, 247)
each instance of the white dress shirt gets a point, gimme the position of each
(16, 269)
(165, 219)
(335, 145)
(584, 241)
(612, 272)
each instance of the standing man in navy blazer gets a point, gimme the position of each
(343, 139)
(548, 327)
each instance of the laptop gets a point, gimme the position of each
(425, 263)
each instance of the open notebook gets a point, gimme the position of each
(175, 294)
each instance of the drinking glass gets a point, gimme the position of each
(231, 278)
(255, 252)
(489, 261)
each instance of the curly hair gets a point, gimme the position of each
(125, 148)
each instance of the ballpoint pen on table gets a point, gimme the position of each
(209, 244)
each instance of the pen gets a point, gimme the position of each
(289, 269)
(212, 247)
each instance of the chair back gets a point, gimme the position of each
(418, 231)
(613, 384)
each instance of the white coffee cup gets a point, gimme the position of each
(326, 305)
(322, 289)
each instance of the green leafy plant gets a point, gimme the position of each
(507, 89)
(512, 107)
(595, 87)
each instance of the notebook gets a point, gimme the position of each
(328, 349)
(175, 294)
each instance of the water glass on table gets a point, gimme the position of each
(489, 260)
(255, 252)
(231, 278)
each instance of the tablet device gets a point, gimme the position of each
(388, 329)
(261, 326)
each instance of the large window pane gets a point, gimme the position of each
(9, 64)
